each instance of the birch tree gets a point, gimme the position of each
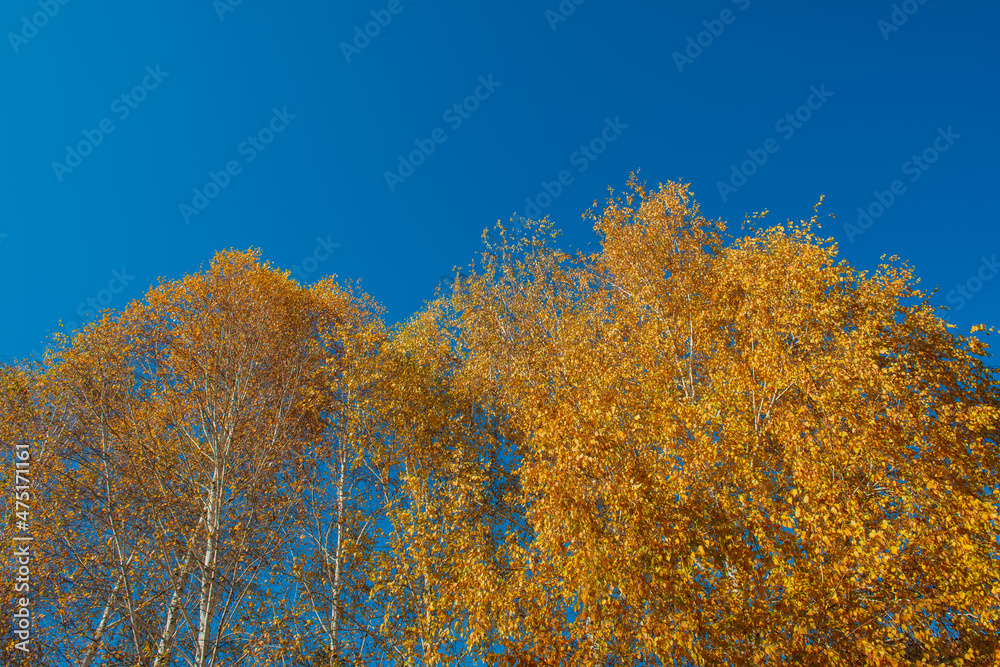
(736, 450)
(187, 424)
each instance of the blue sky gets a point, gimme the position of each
(290, 117)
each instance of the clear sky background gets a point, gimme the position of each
(107, 228)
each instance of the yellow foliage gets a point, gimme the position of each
(684, 448)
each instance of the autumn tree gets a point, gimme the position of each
(183, 431)
(455, 505)
(736, 451)
(684, 448)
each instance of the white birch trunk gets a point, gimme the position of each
(95, 645)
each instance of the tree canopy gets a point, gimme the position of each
(685, 448)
